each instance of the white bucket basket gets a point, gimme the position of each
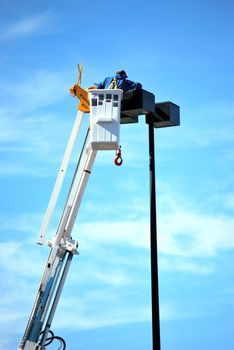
(105, 108)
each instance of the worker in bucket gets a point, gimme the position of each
(119, 81)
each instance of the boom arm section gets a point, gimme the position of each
(63, 247)
(60, 177)
(103, 134)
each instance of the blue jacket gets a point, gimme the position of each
(123, 84)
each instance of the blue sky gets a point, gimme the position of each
(181, 51)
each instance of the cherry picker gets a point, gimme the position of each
(102, 134)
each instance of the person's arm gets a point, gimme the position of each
(138, 86)
(104, 83)
(130, 85)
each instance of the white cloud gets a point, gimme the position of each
(29, 136)
(182, 232)
(114, 277)
(108, 232)
(89, 311)
(5, 343)
(106, 308)
(17, 258)
(229, 201)
(27, 224)
(190, 233)
(37, 24)
(207, 138)
(32, 91)
(10, 317)
(118, 309)
(107, 277)
(35, 138)
(185, 264)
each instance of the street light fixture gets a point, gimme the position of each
(157, 115)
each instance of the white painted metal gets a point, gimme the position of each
(105, 108)
(63, 240)
(60, 177)
(30, 346)
(63, 247)
(61, 244)
(80, 189)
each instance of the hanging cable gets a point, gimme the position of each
(62, 342)
(51, 338)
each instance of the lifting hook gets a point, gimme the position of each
(118, 159)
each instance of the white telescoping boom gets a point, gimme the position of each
(103, 134)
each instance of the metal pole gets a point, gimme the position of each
(153, 240)
(56, 299)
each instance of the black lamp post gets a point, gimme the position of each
(153, 240)
(141, 102)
